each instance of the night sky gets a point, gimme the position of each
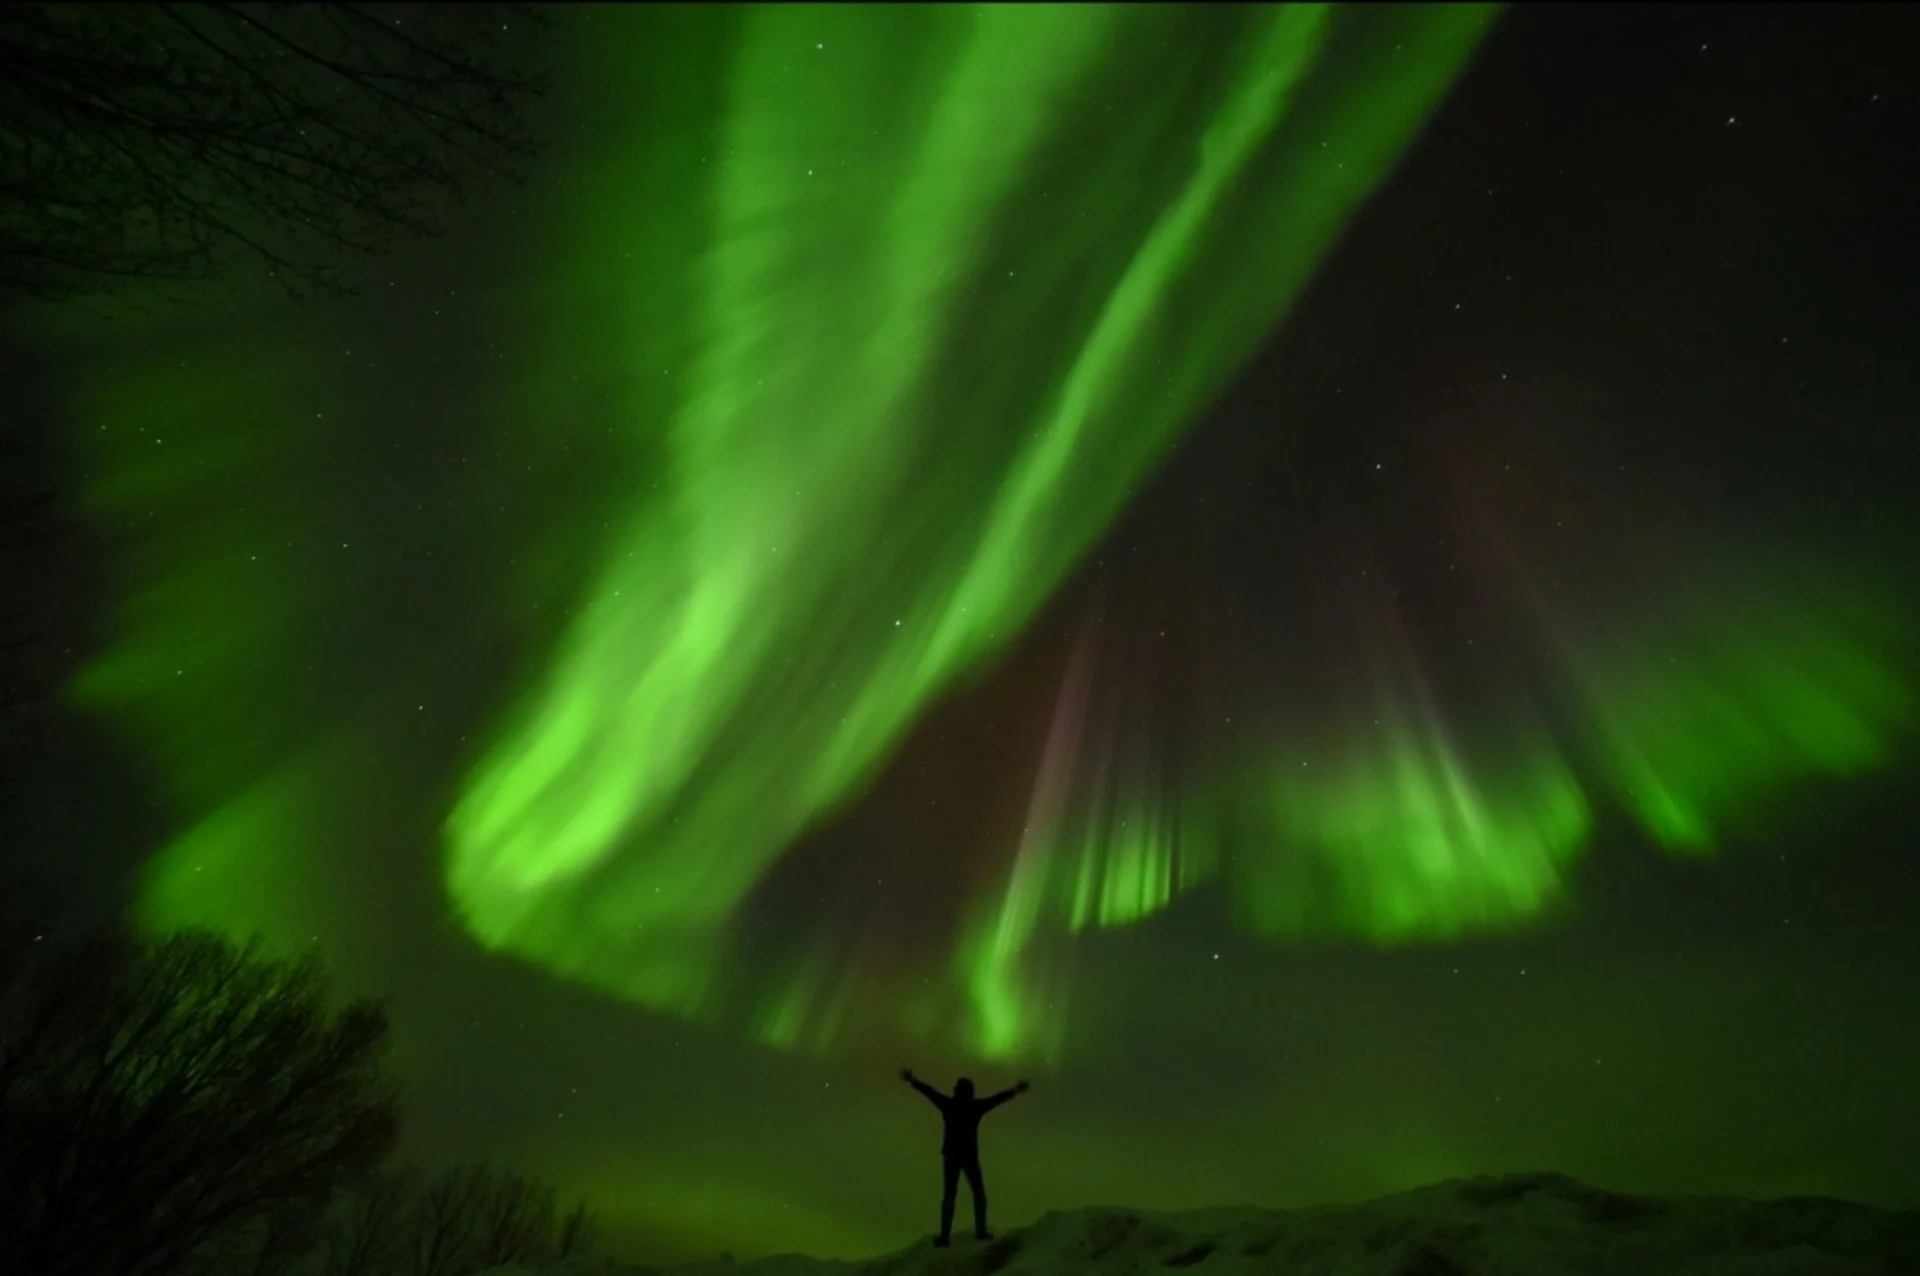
(1334, 589)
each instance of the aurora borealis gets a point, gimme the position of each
(1316, 579)
(840, 529)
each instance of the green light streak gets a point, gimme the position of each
(869, 482)
(1408, 842)
(206, 585)
(1727, 699)
(1686, 707)
(919, 309)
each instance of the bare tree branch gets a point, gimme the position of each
(164, 142)
(180, 1107)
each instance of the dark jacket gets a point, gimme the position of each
(962, 1116)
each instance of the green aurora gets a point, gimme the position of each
(903, 308)
(848, 521)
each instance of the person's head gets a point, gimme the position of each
(963, 1088)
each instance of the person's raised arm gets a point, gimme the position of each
(995, 1100)
(934, 1097)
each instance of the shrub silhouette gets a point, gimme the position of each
(180, 1107)
(465, 1220)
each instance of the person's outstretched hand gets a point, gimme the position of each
(1022, 1088)
(906, 1075)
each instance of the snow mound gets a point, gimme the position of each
(1516, 1225)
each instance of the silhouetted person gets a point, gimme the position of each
(960, 1149)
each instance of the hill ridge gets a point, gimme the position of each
(1533, 1224)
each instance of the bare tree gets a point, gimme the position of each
(158, 141)
(367, 1235)
(517, 1221)
(277, 1244)
(475, 1217)
(179, 1108)
(467, 1219)
(575, 1234)
(446, 1223)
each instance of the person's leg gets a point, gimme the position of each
(949, 1188)
(978, 1183)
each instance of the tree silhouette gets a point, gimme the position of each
(181, 1107)
(467, 1219)
(366, 1235)
(157, 142)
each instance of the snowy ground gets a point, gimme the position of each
(1521, 1225)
